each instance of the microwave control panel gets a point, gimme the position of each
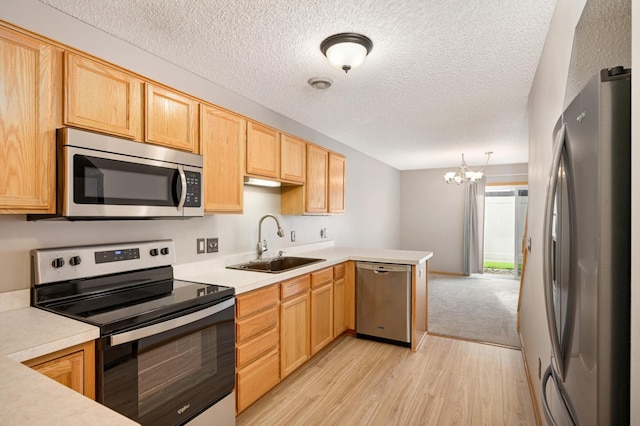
(194, 189)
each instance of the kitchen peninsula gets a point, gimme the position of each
(35, 399)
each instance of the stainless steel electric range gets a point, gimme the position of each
(166, 352)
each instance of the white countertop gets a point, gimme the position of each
(243, 281)
(30, 398)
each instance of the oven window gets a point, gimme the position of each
(168, 378)
(186, 361)
(112, 182)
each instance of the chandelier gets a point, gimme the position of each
(465, 174)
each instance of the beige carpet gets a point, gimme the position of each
(479, 307)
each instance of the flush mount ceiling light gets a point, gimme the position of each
(320, 83)
(346, 51)
(465, 174)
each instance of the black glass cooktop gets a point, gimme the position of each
(119, 302)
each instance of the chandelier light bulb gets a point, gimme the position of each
(465, 174)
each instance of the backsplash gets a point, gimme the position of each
(237, 234)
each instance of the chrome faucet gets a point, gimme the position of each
(262, 245)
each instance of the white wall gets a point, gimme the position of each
(432, 212)
(372, 198)
(559, 73)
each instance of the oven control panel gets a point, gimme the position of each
(66, 263)
(117, 255)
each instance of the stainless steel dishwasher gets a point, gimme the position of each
(383, 302)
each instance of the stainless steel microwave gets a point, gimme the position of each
(104, 177)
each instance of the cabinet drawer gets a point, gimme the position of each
(295, 286)
(254, 348)
(338, 271)
(321, 277)
(256, 301)
(257, 379)
(252, 326)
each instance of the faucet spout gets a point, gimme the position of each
(262, 246)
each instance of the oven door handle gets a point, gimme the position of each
(151, 330)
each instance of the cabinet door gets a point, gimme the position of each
(171, 119)
(73, 367)
(66, 370)
(257, 379)
(27, 134)
(223, 137)
(339, 317)
(317, 180)
(100, 97)
(293, 156)
(336, 183)
(340, 323)
(321, 317)
(263, 151)
(294, 334)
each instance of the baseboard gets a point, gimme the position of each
(455, 274)
(472, 340)
(532, 393)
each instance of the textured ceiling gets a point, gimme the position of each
(444, 77)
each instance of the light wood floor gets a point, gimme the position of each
(356, 381)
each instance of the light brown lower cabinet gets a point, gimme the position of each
(321, 309)
(339, 300)
(72, 367)
(257, 344)
(257, 379)
(295, 344)
(280, 327)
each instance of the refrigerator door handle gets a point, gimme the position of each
(547, 244)
(548, 374)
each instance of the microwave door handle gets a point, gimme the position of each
(151, 330)
(549, 253)
(183, 188)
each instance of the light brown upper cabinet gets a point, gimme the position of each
(336, 183)
(317, 180)
(223, 137)
(171, 119)
(27, 128)
(323, 190)
(263, 151)
(293, 155)
(103, 98)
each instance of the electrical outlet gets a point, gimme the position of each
(323, 233)
(200, 246)
(293, 236)
(212, 245)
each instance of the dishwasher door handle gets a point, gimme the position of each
(377, 271)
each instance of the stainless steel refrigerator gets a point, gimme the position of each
(587, 257)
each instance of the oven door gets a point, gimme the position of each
(102, 184)
(169, 372)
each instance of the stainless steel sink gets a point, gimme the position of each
(276, 265)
